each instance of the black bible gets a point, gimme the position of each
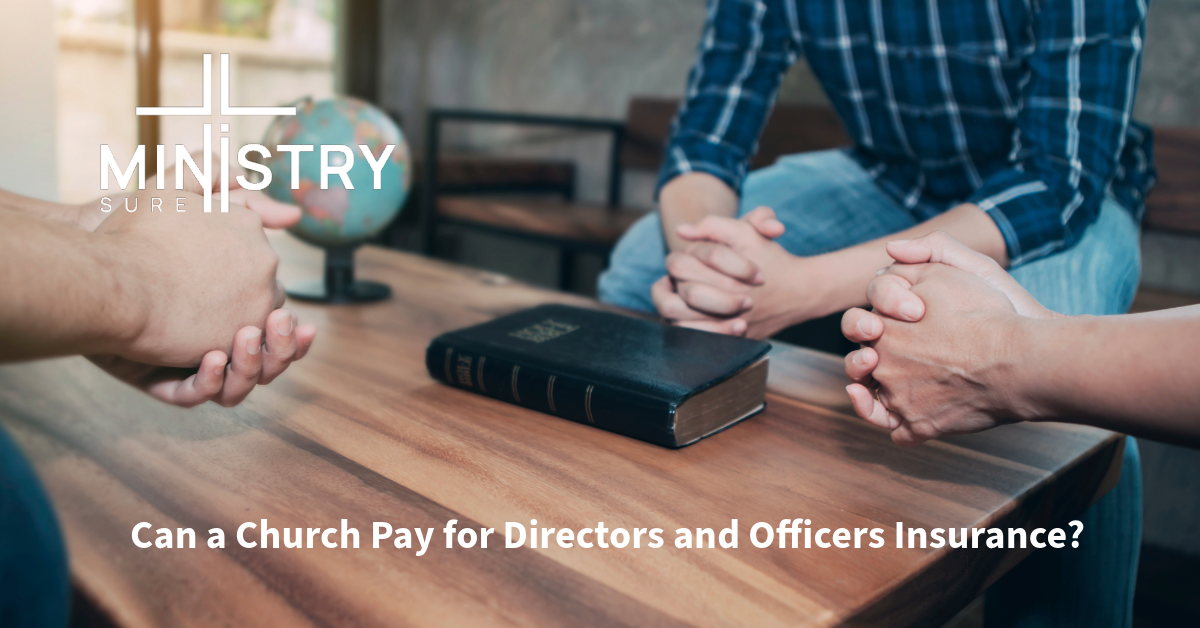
(662, 384)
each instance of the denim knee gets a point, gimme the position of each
(638, 260)
(1097, 276)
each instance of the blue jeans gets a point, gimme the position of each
(827, 202)
(34, 580)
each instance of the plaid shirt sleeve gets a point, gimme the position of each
(746, 47)
(1071, 126)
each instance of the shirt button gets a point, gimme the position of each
(909, 55)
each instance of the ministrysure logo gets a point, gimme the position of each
(340, 165)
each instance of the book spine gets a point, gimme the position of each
(545, 390)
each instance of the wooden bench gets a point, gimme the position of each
(636, 144)
(1173, 206)
(468, 173)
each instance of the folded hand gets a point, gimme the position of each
(256, 360)
(726, 280)
(936, 351)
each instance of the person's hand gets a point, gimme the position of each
(256, 360)
(892, 294)
(274, 214)
(943, 374)
(729, 278)
(188, 280)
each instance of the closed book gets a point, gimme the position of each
(662, 384)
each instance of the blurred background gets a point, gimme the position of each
(280, 50)
(536, 199)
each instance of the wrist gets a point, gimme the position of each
(798, 295)
(689, 198)
(822, 288)
(1021, 383)
(125, 313)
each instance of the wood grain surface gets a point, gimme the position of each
(359, 431)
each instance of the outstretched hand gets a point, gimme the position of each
(934, 358)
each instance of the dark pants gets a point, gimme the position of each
(34, 580)
(1044, 590)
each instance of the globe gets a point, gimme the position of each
(339, 216)
(342, 216)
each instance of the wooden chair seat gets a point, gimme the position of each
(596, 226)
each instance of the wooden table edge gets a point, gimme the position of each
(1047, 511)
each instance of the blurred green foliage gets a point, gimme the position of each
(244, 18)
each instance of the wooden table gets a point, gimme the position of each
(359, 431)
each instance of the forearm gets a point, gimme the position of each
(65, 292)
(690, 197)
(46, 209)
(839, 279)
(1135, 374)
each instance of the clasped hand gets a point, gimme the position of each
(937, 356)
(729, 279)
(211, 325)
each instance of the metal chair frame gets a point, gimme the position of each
(568, 248)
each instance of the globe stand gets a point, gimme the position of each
(339, 285)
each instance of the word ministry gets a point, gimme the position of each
(336, 159)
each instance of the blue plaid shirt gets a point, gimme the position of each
(1021, 107)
